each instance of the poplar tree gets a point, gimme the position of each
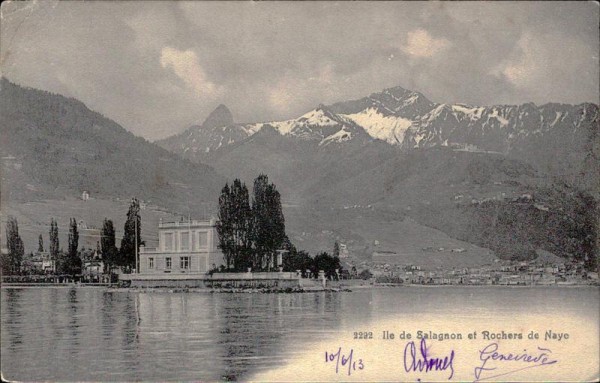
(108, 245)
(224, 226)
(241, 225)
(269, 224)
(73, 238)
(235, 226)
(72, 264)
(128, 243)
(54, 242)
(16, 250)
(40, 244)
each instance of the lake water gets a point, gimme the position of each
(96, 334)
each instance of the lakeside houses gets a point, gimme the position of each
(507, 273)
(38, 263)
(92, 265)
(183, 247)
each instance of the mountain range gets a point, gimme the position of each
(386, 173)
(511, 178)
(556, 138)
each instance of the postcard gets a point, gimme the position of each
(299, 191)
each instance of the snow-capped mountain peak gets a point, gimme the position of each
(319, 116)
(400, 117)
(386, 128)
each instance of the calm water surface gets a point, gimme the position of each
(69, 334)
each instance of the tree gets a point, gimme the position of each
(242, 226)
(11, 262)
(235, 226)
(297, 260)
(365, 274)
(224, 225)
(108, 245)
(336, 249)
(131, 236)
(268, 223)
(54, 243)
(586, 210)
(72, 261)
(73, 238)
(329, 264)
(249, 236)
(40, 244)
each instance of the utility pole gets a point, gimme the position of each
(137, 262)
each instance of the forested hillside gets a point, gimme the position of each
(54, 146)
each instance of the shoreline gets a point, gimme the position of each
(274, 290)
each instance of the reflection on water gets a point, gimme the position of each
(96, 334)
(12, 310)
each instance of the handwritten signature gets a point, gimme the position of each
(424, 362)
(539, 358)
(344, 361)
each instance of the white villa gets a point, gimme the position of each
(183, 247)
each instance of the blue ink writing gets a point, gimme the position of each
(423, 362)
(347, 362)
(490, 353)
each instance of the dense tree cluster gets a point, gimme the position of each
(250, 235)
(302, 261)
(70, 262)
(561, 220)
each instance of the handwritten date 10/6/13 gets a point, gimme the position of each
(346, 363)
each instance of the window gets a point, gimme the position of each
(185, 241)
(184, 263)
(202, 239)
(168, 263)
(150, 263)
(168, 241)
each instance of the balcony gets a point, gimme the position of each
(155, 250)
(186, 224)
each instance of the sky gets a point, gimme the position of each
(158, 67)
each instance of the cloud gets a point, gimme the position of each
(551, 67)
(186, 66)
(317, 84)
(280, 96)
(161, 66)
(420, 43)
(153, 27)
(524, 63)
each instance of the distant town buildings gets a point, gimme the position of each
(38, 263)
(499, 273)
